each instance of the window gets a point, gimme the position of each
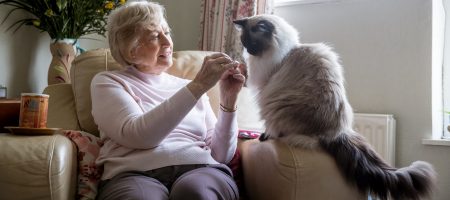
(446, 69)
(441, 69)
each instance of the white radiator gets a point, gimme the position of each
(379, 131)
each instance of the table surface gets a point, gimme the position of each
(9, 100)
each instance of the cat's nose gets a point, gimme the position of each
(240, 22)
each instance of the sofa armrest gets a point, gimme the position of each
(37, 167)
(274, 170)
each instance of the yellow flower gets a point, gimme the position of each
(49, 12)
(109, 5)
(121, 2)
(36, 22)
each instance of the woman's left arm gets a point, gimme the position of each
(222, 135)
(224, 140)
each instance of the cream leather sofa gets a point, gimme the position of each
(44, 167)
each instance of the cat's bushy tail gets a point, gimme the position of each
(362, 166)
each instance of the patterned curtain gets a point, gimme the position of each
(218, 32)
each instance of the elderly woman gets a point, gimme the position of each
(161, 137)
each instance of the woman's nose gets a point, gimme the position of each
(166, 40)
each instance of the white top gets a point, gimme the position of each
(151, 121)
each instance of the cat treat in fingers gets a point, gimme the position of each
(302, 99)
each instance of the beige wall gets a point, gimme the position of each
(184, 19)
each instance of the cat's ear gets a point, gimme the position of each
(240, 22)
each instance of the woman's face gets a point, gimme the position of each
(153, 54)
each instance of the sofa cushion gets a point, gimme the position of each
(89, 174)
(84, 68)
(61, 107)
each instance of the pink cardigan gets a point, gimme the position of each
(151, 121)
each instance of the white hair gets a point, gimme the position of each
(127, 22)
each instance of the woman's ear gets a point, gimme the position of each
(131, 57)
(132, 53)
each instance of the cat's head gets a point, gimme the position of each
(262, 33)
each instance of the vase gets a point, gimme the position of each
(63, 53)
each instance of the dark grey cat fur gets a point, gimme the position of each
(302, 99)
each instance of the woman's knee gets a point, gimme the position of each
(133, 187)
(204, 184)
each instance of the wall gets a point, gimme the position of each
(25, 54)
(184, 19)
(385, 47)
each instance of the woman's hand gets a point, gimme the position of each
(213, 70)
(231, 84)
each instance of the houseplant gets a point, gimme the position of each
(65, 21)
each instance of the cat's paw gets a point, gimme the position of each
(263, 137)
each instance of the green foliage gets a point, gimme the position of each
(63, 18)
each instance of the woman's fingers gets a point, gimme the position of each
(217, 55)
(243, 69)
(218, 58)
(239, 77)
(220, 66)
(237, 73)
(231, 65)
(230, 69)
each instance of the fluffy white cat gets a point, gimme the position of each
(303, 101)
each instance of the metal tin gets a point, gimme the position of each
(33, 110)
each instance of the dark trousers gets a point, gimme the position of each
(193, 182)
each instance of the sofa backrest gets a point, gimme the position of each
(186, 64)
(84, 68)
(61, 107)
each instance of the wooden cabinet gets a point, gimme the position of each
(9, 113)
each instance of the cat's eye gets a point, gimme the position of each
(261, 27)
